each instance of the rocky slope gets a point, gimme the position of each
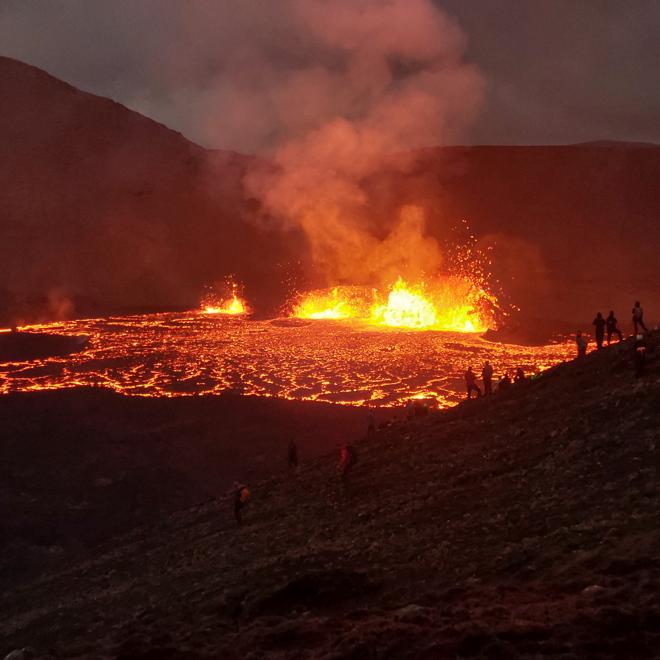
(519, 526)
(103, 208)
(80, 466)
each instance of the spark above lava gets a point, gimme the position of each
(231, 306)
(453, 304)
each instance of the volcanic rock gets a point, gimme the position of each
(452, 537)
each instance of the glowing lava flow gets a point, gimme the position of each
(450, 304)
(186, 354)
(338, 303)
(406, 307)
(232, 306)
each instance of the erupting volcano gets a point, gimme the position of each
(234, 305)
(325, 267)
(451, 304)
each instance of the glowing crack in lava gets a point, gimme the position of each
(184, 354)
(452, 304)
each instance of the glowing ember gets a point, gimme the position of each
(451, 304)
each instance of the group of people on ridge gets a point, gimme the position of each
(609, 326)
(487, 377)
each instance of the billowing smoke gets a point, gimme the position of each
(381, 77)
(326, 91)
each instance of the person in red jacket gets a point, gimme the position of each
(241, 497)
(347, 459)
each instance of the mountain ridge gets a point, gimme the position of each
(104, 205)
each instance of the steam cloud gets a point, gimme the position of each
(326, 90)
(385, 76)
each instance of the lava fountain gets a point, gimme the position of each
(452, 304)
(233, 306)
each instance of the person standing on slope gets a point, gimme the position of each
(241, 497)
(599, 324)
(487, 376)
(581, 344)
(638, 318)
(612, 328)
(371, 422)
(639, 355)
(471, 383)
(347, 459)
(504, 384)
(292, 455)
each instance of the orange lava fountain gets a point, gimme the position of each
(452, 304)
(232, 306)
(340, 302)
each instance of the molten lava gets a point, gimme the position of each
(233, 305)
(183, 354)
(451, 304)
(340, 302)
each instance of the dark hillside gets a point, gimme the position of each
(101, 203)
(574, 227)
(82, 465)
(521, 526)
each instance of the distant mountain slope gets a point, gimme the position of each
(99, 201)
(576, 227)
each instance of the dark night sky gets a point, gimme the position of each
(555, 71)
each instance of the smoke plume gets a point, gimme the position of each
(325, 90)
(381, 77)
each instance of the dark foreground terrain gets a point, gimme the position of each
(23, 346)
(79, 466)
(522, 526)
